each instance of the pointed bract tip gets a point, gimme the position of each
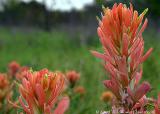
(98, 19)
(103, 7)
(145, 11)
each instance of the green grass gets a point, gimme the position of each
(57, 51)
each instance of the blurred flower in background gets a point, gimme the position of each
(107, 96)
(4, 86)
(72, 77)
(13, 68)
(80, 90)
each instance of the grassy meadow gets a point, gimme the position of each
(56, 50)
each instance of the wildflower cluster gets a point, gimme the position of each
(52, 92)
(41, 92)
(7, 85)
(73, 77)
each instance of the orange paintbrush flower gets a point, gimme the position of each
(22, 72)
(4, 87)
(72, 77)
(3, 81)
(157, 105)
(39, 92)
(107, 96)
(5, 91)
(120, 32)
(79, 90)
(13, 67)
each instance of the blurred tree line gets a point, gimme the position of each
(20, 13)
(33, 13)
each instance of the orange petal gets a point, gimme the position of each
(63, 105)
(146, 55)
(41, 95)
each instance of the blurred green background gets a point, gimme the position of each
(61, 40)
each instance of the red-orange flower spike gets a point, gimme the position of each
(40, 90)
(120, 33)
(120, 27)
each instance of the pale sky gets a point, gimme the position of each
(64, 5)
